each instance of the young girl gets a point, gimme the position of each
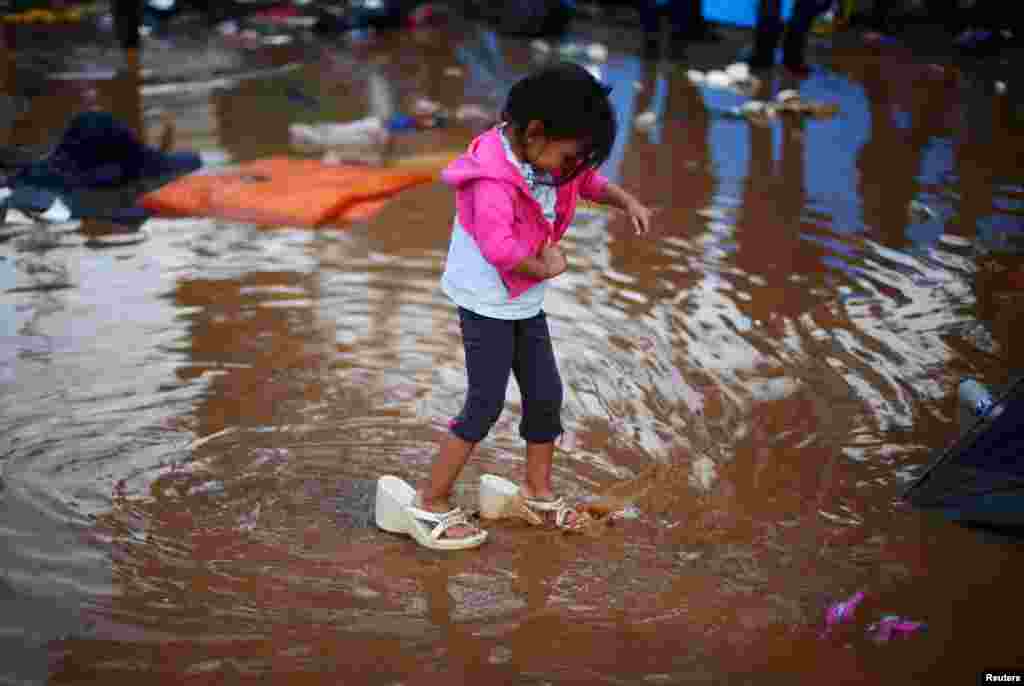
(516, 192)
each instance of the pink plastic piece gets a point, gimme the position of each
(892, 625)
(841, 611)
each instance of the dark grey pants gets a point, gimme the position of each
(495, 349)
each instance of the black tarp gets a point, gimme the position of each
(980, 477)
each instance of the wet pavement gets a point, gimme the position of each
(194, 412)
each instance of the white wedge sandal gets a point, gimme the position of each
(501, 499)
(396, 511)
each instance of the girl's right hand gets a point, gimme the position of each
(554, 260)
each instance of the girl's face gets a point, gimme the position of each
(559, 157)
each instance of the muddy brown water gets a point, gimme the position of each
(194, 412)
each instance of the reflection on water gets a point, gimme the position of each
(194, 420)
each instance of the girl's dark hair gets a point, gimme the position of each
(571, 104)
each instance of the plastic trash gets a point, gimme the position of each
(696, 77)
(597, 52)
(787, 95)
(403, 122)
(425, 106)
(891, 626)
(540, 46)
(975, 398)
(645, 120)
(841, 611)
(368, 131)
(570, 50)
(718, 79)
(473, 112)
(1000, 87)
(738, 71)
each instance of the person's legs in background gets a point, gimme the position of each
(650, 22)
(688, 23)
(767, 33)
(794, 45)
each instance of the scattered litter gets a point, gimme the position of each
(739, 71)
(425, 106)
(891, 626)
(1000, 87)
(645, 120)
(425, 14)
(278, 39)
(841, 611)
(540, 46)
(696, 77)
(453, 72)
(597, 52)
(718, 79)
(570, 50)
(473, 112)
(368, 131)
(787, 95)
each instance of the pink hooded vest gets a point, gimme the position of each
(495, 207)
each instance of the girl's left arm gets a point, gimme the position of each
(617, 196)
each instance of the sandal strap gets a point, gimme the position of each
(560, 508)
(555, 505)
(442, 521)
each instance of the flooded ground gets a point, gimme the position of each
(194, 412)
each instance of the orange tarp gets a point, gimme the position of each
(281, 190)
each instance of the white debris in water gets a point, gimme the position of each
(718, 79)
(646, 120)
(1000, 87)
(787, 95)
(597, 52)
(570, 50)
(738, 71)
(703, 473)
(540, 46)
(696, 77)
(753, 107)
